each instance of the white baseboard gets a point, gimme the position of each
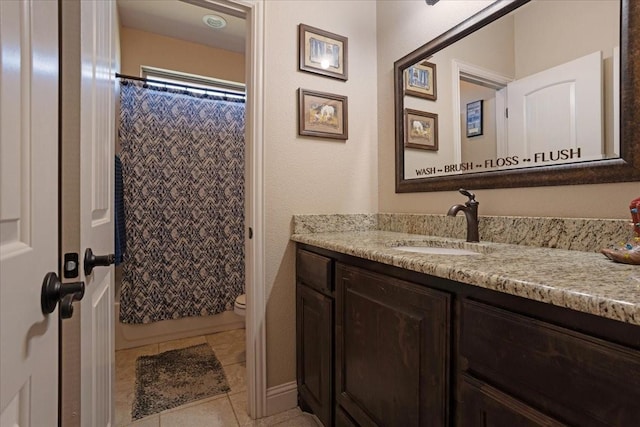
(282, 398)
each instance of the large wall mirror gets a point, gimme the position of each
(524, 93)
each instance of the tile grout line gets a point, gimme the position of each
(235, 414)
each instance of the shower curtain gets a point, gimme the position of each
(183, 174)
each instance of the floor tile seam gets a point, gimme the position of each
(192, 404)
(233, 408)
(212, 339)
(134, 349)
(218, 347)
(235, 362)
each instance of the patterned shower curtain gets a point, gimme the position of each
(183, 171)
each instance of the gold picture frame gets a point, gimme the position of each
(323, 115)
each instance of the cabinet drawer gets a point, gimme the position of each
(483, 405)
(574, 377)
(314, 270)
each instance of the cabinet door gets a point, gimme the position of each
(483, 405)
(392, 350)
(314, 324)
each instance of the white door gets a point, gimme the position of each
(28, 211)
(97, 133)
(558, 109)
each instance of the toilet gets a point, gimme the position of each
(240, 305)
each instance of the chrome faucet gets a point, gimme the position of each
(470, 209)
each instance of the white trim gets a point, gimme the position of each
(616, 103)
(256, 301)
(253, 11)
(502, 130)
(282, 398)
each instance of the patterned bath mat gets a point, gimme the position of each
(176, 377)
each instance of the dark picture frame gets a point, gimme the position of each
(420, 80)
(421, 130)
(474, 118)
(323, 115)
(322, 52)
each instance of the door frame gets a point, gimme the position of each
(485, 77)
(256, 376)
(256, 359)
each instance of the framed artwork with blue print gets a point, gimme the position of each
(322, 52)
(474, 118)
(420, 81)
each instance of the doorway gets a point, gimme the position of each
(256, 375)
(231, 15)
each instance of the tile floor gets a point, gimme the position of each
(225, 410)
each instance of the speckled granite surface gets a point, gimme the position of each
(583, 281)
(337, 222)
(563, 233)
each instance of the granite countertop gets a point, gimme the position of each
(582, 281)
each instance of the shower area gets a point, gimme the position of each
(179, 213)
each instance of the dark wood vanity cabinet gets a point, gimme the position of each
(392, 350)
(381, 346)
(314, 334)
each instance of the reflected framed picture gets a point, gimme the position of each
(322, 52)
(323, 115)
(421, 130)
(474, 119)
(420, 81)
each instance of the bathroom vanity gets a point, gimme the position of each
(511, 336)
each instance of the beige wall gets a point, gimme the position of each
(153, 50)
(312, 175)
(564, 31)
(404, 26)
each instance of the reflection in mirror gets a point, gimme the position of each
(534, 88)
(536, 91)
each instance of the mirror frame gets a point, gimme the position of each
(622, 169)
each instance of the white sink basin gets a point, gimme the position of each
(436, 251)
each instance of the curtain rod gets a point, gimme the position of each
(160, 82)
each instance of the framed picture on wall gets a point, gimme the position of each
(323, 115)
(421, 130)
(322, 52)
(474, 118)
(420, 81)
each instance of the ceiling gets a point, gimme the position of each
(183, 20)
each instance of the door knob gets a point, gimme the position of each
(91, 261)
(54, 291)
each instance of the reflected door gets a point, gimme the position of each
(555, 116)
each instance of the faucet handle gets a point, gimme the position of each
(469, 194)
